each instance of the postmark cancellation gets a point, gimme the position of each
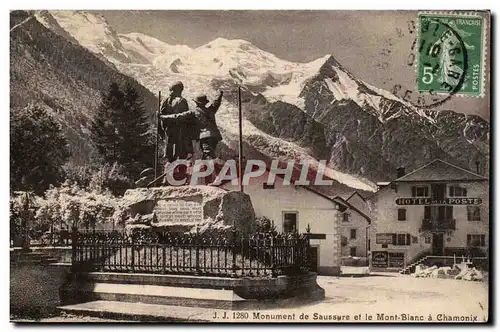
(451, 53)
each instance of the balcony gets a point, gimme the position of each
(438, 225)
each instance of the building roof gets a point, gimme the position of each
(355, 194)
(339, 200)
(439, 170)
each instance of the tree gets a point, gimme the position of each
(121, 130)
(137, 147)
(38, 150)
(104, 128)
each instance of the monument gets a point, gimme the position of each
(185, 208)
(187, 240)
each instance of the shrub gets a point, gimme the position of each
(265, 225)
(112, 177)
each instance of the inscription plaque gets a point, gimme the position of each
(186, 210)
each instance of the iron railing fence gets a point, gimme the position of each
(40, 238)
(228, 254)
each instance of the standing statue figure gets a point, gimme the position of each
(178, 137)
(202, 121)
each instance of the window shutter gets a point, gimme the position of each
(469, 237)
(451, 191)
(413, 191)
(449, 212)
(427, 212)
(394, 239)
(408, 239)
(464, 191)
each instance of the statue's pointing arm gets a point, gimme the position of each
(184, 117)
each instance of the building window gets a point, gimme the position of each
(345, 217)
(402, 239)
(353, 233)
(289, 221)
(419, 191)
(476, 240)
(444, 212)
(401, 214)
(473, 213)
(427, 212)
(456, 191)
(352, 251)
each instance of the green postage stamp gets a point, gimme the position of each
(451, 54)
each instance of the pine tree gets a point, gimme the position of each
(136, 149)
(38, 150)
(121, 131)
(105, 132)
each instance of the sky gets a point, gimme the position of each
(373, 45)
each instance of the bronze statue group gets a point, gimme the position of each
(182, 129)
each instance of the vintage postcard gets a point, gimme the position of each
(250, 166)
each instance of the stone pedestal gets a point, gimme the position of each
(185, 208)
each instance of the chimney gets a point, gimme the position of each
(477, 166)
(400, 172)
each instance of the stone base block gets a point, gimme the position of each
(193, 291)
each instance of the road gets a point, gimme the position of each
(396, 298)
(375, 298)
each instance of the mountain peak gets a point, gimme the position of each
(228, 43)
(90, 30)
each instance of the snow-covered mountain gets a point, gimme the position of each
(51, 69)
(315, 110)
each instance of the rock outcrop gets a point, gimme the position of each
(185, 208)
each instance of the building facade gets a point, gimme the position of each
(439, 209)
(295, 207)
(355, 228)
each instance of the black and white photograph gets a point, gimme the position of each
(250, 166)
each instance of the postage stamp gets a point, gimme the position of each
(451, 54)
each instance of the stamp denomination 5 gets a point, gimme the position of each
(450, 54)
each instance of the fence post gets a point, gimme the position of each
(273, 267)
(234, 267)
(94, 245)
(197, 248)
(132, 252)
(74, 239)
(164, 256)
(296, 254)
(308, 247)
